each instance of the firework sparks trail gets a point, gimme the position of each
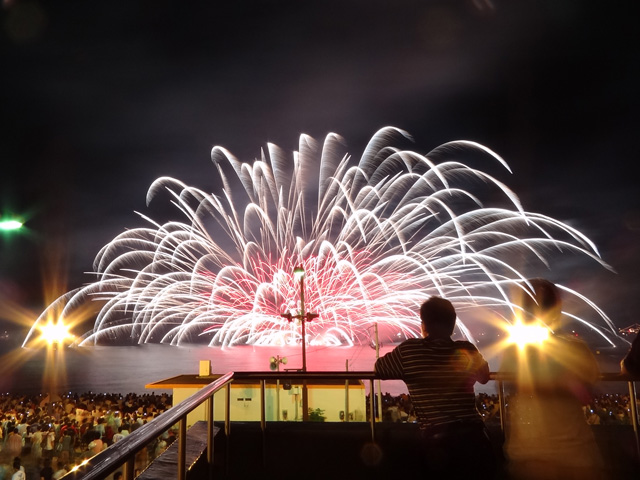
(380, 237)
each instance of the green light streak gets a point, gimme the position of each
(8, 225)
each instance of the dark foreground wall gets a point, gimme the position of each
(344, 450)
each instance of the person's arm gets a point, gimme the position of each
(474, 362)
(630, 365)
(483, 372)
(390, 365)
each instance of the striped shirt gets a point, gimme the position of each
(440, 375)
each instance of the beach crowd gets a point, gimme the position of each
(47, 435)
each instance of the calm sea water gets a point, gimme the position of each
(129, 369)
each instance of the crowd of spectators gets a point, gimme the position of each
(399, 408)
(609, 409)
(604, 409)
(51, 435)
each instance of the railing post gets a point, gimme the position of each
(346, 394)
(278, 399)
(182, 448)
(262, 405)
(227, 411)
(128, 468)
(346, 400)
(210, 434)
(227, 424)
(634, 414)
(305, 401)
(263, 422)
(501, 403)
(372, 413)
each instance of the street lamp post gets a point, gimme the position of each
(298, 273)
(304, 317)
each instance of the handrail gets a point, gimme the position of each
(369, 375)
(122, 453)
(309, 376)
(603, 377)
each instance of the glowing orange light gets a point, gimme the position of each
(522, 334)
(55, 332)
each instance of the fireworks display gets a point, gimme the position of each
(375, 238)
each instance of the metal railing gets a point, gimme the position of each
(122, 454)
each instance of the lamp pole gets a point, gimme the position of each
(304, 317)
(299, 273)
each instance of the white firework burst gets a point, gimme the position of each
(375, 239)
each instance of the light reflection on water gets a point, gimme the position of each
(129, 369)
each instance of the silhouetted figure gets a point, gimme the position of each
(547, 436)
(631, 363)
(440, 375)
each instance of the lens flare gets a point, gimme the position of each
(55, 333)
(522, 334)
(10, 224)
(51, 332)
(374, 239)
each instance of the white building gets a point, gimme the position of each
(283, 402)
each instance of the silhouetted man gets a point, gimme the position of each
(631, 363)
(547, 436)
(440, 374)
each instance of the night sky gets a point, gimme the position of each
(98, 99)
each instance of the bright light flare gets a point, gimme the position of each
(55, 333)
(10, 224)
(522, 334)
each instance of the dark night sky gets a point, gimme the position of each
(97, 99)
